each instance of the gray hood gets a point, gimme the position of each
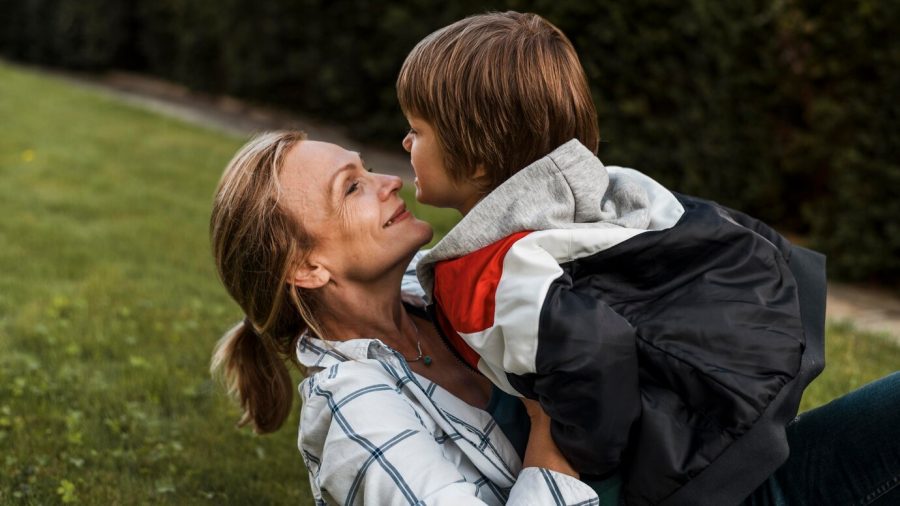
(568, 188)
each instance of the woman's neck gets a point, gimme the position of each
(372, 310)
(375, 310)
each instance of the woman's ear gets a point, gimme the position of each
(310, 275)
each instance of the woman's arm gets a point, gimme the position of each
(364, 443)
(544, 461)
(542, 450)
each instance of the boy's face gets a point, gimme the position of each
(434, 186)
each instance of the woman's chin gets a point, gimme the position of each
(427, 233)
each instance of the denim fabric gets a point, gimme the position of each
(846, 452)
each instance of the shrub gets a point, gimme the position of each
(88, 34)
(848, 140)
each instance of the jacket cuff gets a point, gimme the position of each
(540, 487)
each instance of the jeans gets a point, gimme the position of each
(846, 452)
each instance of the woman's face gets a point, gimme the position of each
(360, 225)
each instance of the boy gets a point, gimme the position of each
(661, 333)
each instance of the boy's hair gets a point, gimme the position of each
(501, 90)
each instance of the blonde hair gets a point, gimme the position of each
(501, 91)
(256, 243)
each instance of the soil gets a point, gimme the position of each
(868, 308)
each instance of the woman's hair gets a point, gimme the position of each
(257, 243)
(501, 91)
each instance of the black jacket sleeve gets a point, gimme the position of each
(587, 377)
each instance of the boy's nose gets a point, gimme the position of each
(407, 142)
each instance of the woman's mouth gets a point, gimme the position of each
(400, 214)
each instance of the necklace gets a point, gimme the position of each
(426, 359)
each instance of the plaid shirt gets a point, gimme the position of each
(373, 432)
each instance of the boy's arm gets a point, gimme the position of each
(586, 377)
(757, 226)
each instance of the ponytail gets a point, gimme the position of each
(255, 375)
(256, 243)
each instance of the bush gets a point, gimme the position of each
(23, 33)
(88, 34)
(683, 90)
(848, 139)
(181, 40)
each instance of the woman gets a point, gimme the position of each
(314, 247)
(307, 240)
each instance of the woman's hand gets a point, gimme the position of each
(542, 450)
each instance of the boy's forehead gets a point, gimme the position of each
(418, 120)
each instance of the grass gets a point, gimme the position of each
(109, 307)
(852, 358)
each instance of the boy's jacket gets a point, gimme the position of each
(668, 337)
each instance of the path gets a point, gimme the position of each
(875, 310)
(227, 114)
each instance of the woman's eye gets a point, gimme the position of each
(412, 131)
(369, 169)
(353, 187)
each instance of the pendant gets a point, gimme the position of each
(427, 359)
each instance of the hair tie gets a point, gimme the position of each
(248, 324)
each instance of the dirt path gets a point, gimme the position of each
(227, 114)
(872, 309)
(875, 310)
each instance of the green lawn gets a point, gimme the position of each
(109, 307)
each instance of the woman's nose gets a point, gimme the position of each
(389, 185)
(407, 142)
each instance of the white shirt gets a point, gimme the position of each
(373, 432)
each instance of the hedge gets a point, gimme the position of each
(785, 109)
(846, 144)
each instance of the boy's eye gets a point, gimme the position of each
(412, 131)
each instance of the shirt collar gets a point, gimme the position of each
(313, 352)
